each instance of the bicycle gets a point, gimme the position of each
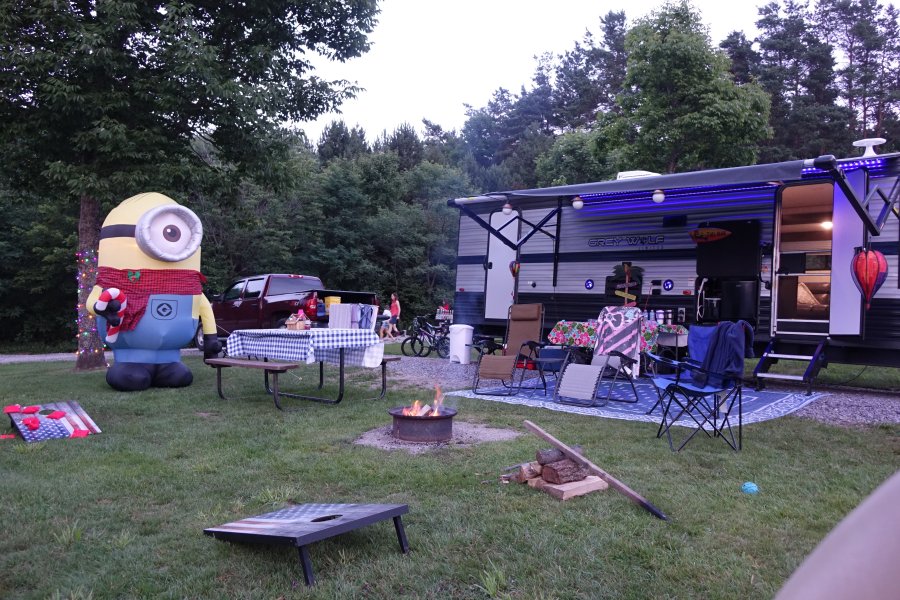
(426, 337)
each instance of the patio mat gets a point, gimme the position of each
(757, 406)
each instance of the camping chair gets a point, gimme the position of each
(617, 353)
(705, 394)
(698, 340)
(524, 327)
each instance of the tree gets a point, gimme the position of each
(337, 141)
(590, 76)
(100, 100)
(682, 111)
(571, 159)
(744, 59)
(866, 34)
(796, 68)
(405, 143)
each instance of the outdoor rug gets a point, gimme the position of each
(757, 406)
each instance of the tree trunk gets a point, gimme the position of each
(90, 348)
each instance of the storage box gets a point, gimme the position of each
(329, 300)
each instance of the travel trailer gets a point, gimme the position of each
(770, 244)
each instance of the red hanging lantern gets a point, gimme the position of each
(514, 268)
(870, 269)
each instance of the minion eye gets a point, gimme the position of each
(170, 232)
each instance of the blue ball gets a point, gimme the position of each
(749, 488)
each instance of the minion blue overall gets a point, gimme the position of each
(148, 299)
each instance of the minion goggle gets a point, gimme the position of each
(169, 232)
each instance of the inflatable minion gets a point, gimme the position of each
(148, 299)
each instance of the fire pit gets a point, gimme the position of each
(423, 423)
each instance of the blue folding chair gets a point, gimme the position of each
(705, 391)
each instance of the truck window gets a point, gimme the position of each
(293, 285)
(234, 292)
(254, 288)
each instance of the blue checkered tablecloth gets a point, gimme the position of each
(361, 346)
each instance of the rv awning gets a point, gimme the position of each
(774, 172)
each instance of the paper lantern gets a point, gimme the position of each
(870, 269)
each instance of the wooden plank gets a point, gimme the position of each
(615, 483)
(251, 364)
(564, 491)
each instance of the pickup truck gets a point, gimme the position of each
(266, 301)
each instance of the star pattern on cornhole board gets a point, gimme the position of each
(52, 420)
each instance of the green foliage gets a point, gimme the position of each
(572, 159)
(590, 76)
(796, 67)
(866, 33)
(103, 100)
(682, 110)
(37, 269)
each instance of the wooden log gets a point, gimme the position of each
(564, 471)
(612, 481)
(564, 491)
(537, 483)
(527, 471)
(551, 455)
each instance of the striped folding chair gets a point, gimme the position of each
(616, 356)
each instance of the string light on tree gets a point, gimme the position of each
(85, 323)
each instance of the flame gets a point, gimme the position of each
(438, 401)
(417, 408)
(412, 410)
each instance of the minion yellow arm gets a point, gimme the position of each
(205, 312)
(92, 299)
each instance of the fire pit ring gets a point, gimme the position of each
(428, 428)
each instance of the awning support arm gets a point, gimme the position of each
(829, 163)
(891, 203)
(496, 232)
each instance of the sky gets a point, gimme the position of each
(428, 59)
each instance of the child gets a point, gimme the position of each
(385, 324)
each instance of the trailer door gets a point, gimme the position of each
(500, 285)
(802, 285)
(848, 235)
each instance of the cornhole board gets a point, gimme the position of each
(74, 423)
(303, 524)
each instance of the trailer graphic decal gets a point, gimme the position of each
(648, 239)
(709, 234)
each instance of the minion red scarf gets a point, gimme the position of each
(138, 285)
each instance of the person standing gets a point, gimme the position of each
(395, 316)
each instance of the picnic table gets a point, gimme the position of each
(355, 347)
(583, 334)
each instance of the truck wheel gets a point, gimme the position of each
(443, 347)
(198, 339)
(280, 323)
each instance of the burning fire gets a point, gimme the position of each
(418, 410)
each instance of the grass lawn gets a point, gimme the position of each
(121, 514)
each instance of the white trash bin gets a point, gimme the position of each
(461, 343)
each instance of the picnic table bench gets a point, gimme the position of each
(282, 367)
(266, 366)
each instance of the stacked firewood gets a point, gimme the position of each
(556, 474)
